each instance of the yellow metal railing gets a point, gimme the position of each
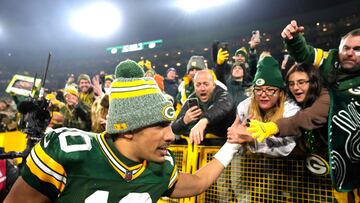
(255, 178)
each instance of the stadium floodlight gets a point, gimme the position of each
(100, 19)
(195, 5)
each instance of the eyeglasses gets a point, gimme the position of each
(299, 83)
(268, 91)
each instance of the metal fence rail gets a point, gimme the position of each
(255, 178)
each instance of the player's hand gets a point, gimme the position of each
(222, 56)
(291, 30)
(237, 134)
(260, 130)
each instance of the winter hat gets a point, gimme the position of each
(242, 51)
(171, 69)
(242, 65)
(129, 68)
(151, 72)
(71, 89)
(196, 62)
(135, 102)
(109, 77)
(84, 77)
(268, 73)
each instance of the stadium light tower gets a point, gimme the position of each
(100, 19)
(195, 5)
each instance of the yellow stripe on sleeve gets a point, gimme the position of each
(318, 57)
(39, 170)
(174, 177)
(50, 162)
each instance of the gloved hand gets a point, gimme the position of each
(261, 130)
(222, 55)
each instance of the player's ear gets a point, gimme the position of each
(129, 135)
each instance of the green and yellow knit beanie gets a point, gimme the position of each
(135, 101)
(242, 51)
(196, 62)
(268, 73)
(129, 69)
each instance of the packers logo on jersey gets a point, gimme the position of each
(355, 91)
(317, 165)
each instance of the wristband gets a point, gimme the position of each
(226, 153)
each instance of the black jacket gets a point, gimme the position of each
(219, 110)
(171, 87)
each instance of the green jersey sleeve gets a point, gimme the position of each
(45, 168)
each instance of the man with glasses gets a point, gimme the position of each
(341, 72)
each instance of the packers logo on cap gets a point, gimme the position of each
(260, 82)
(120, 126)
(168, 112)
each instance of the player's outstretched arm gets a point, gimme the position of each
(24, 193)
(193, 184)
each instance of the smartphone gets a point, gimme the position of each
(256, 35)
(193, 102)
(224, 46)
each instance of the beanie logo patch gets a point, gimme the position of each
(120, 126)
(260, 82)
(168, 112)
(193, 63)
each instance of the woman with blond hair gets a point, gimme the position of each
(267, 103)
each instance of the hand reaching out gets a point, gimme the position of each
(260, 130)
(291, 30)
(197, 132)
(237, 133)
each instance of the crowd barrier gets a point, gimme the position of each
(254, 178)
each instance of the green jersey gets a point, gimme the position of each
(70, 165)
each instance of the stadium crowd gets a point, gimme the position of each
(244, 91)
